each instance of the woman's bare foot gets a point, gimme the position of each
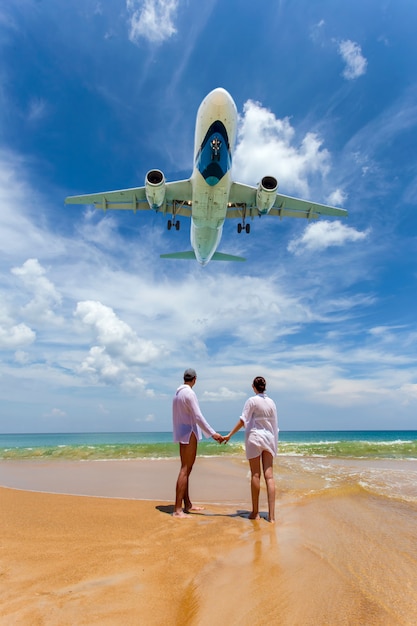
(194, 508)
(179, 514)
(254, 516)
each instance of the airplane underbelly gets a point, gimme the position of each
(208, 215)
(209, 203)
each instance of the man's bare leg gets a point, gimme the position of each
(267, 463)
(255, 485)
(188, 452)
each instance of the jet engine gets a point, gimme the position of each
(266, 194)
(155, 189)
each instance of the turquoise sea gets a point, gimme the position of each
(360, 444)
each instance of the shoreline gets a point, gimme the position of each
(223, 479)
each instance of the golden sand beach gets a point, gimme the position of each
(335, 556)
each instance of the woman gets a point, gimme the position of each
(259, 418)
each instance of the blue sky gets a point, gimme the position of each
(95, 329)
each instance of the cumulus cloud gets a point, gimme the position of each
(356, 63)
(13, 336)
(151, 19)
(324, 234)
(45, 295)
(266, 145)
(337, 198)
(119, 351)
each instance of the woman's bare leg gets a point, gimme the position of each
(255, 468)
(268, 467)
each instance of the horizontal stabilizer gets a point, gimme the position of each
(189, 254)
(219, 256)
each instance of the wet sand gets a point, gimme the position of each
(341, 555)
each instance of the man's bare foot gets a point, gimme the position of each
(179, 514)
(194, 508)
(271, 521)
(254, 515)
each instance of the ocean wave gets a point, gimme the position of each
(396, 449)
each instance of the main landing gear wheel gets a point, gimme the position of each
(175, 224)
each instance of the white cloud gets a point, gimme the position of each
(119, 351)
(151, 19)
(14, 336)
(337, 198)
(222, 394)
(21, 357)
(323, 234)
(45, 295)
(18, 233)
(356, 63)
(266, 145)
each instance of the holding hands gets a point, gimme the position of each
(221, 438)
(225, 438)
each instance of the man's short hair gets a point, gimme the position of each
(189, 375)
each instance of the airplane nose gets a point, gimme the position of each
(219, 96)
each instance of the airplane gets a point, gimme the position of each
(210, 196)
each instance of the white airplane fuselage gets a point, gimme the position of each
(215, 137)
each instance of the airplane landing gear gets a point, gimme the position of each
(173, 223)
(243, 226)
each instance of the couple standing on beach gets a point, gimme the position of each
(259, 418)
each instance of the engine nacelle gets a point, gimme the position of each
(155, 189)
(266, 194)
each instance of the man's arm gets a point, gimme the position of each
(201, 420)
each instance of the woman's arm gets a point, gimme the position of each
(234, 430)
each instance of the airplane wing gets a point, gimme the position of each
(134, 199)
(243, 197)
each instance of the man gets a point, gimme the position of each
(188, 422)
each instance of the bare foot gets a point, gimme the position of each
(254, 516)
(179, 514)
(195, 508)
